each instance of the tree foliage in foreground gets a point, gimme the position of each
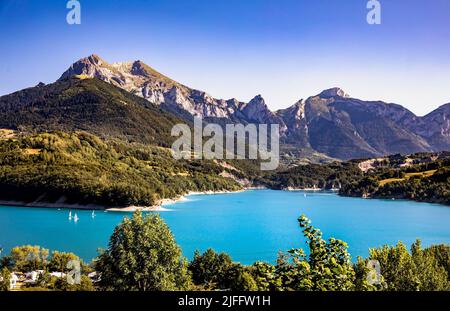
(412, 271)
(328, 266)
(5, 276)
(142, 256)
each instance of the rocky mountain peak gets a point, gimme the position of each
(257, 100)
(139, 68)
(333, 92)
(88, 66)
(299, 103)
(95, 59)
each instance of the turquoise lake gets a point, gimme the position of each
(250, 226)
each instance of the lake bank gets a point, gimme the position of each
(155, 208)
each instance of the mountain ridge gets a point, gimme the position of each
(331, 122)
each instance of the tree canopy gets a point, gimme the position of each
(142, 255)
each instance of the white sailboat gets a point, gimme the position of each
(75, 218)
(304, 194)
(70, 215)
(93, 214)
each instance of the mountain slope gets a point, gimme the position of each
(330, 124)
(343, 127)
(142, 80)
(80, 168)
(86, 104)
(435, 127)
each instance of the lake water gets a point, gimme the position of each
(250, 225)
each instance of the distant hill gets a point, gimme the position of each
(80, 168)
(80, 103)
(422, 177)
(343, 127)
(419, 177)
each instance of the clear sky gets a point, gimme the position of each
(284, 50)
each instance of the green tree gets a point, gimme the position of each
(422, 269)
(442, 254)
(5, 276)
(6, 262)
(85, 285)
(211, 269)
(44, 280)
(142, 255)
(328, 266)
(29, 258)
(294, 271)
(244, 282)
(397, 267)
(265, 276)
(59, 261)
(432, 276)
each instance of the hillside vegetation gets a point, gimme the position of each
(81, 168)
(426, 180)
(91, 105)
(422, 177)
(325, 176)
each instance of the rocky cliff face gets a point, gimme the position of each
(344, 127)
(435, 127)
(332, 122)
(142, 80)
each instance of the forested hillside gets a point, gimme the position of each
(81, 168)
(90, 105)
(428, 181)
(325, 176)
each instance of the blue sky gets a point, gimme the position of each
(284, 49)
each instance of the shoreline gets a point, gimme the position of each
(132, 208)
(87, 207)
(159, 207)
(308, 189)
(184, 197)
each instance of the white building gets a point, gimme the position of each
(58, 274)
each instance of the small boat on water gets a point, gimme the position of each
(304, 194)
(93, 214)
(70, 215)
(75, 218)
